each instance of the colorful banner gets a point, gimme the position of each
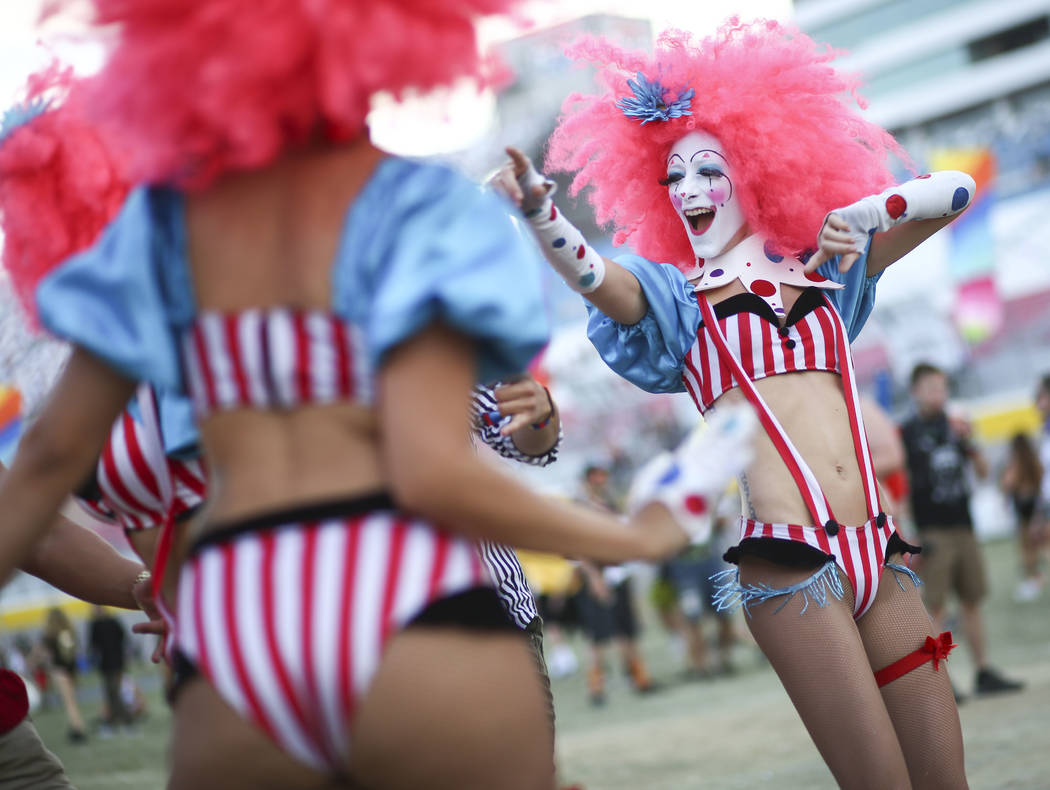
(978, 309)
(10, 421)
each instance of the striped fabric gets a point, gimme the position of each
(295, 662)
(511, 585)
(808, 344)
(138, 485)
(274, 357)
(509, 577)
(859, 551)
(487, 424)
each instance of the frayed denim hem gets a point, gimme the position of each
(898, 570)
(730, 593)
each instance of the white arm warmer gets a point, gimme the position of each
(690, 480)
(562, 243)
(940, 194)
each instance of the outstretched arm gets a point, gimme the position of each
(901, 217)
(79, 562)
(602, 282)
(57, 452)
(434, 472)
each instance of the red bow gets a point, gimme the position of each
(938, 648)
(934, 649)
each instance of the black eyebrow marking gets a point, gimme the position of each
(672, 156)
(709, 151)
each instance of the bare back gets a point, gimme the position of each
(268, 238)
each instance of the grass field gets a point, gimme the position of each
(739, 732)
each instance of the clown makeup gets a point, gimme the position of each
(700, 185)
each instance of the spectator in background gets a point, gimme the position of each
(1021, 480)
(939, 453)
(691, 575)
(887, 456)
(108, 647)
(606, 602)
(60, 642)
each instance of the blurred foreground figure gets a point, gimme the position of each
(80, 563)
(326, 308)
(764, 212)
(939, 452)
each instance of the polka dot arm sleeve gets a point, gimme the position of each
(934, 195)
(562, 243)
(689, 481)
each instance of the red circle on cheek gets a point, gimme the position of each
(763, 288)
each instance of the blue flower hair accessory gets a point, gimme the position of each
(20, 115)
(648, 103)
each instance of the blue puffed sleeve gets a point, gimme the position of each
(650, 354)
(423, 244)
(121, 298)
(177, 424)
(855, 301)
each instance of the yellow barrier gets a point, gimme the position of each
(29, 617)
(999, 424)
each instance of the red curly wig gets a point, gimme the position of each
(195, 88)
(767, 92)
(59, 187)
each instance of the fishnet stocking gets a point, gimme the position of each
(921, 703)
(824, 668)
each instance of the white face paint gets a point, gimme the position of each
(700, 185)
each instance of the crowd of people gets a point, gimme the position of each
(284, 339)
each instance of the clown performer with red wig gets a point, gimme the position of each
(326, 308)
(722, 163)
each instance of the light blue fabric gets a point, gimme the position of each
(421, 244)
(855, 301)
(177, 426)
(651, 353)
(116, 299)
(424, 245)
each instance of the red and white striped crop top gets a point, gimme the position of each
(806, 341)
(136, 485)
(273, 358)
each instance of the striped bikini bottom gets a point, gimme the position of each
(859, 552)
(287, 615)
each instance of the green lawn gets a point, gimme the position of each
(700, 735)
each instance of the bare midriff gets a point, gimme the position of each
(263, 239)
(811, 407)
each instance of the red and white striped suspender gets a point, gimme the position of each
(812, 494)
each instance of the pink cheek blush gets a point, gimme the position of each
(676, 201)
(717, 195)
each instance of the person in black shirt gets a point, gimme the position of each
(939, 453)
(108, 651)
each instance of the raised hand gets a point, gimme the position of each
(521, 183)
(837, 237)
(526, 401)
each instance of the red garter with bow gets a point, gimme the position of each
(933, 650)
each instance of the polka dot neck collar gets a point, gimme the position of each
(759, 269)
